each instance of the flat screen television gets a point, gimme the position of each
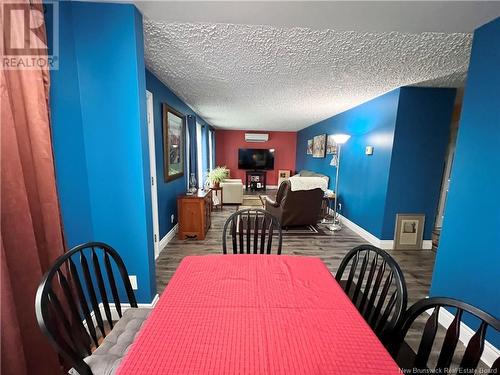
(255, 158)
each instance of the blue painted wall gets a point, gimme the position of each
(100, 134)
(168, 191)
(363, 180)
(399, 125)
(418, 155)
(468, 259)
(67, 137)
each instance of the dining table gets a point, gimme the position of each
(255, 314)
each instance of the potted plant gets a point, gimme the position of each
(217, 175)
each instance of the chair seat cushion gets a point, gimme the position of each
(107, 357)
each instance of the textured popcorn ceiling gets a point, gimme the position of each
(269, 78)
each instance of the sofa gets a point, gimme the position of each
(232, 191)
(296, 208)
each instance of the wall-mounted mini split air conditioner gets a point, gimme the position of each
(255, 137)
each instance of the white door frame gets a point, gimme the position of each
(199, 156)
(210, 150)
(152, 171)
(188, 160)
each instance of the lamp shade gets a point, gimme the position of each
(341, 138)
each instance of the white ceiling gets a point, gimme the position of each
(287, 65)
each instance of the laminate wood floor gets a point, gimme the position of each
(417, 265)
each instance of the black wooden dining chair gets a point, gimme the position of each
(252, 231)
(376, 286)
(70, 296)
(409, 359)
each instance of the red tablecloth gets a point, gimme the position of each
(255, 314)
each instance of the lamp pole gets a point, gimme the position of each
(335, 226)
(339, 139)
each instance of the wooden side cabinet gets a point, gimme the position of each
(194, 214)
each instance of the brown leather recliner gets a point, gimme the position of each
(293, 208)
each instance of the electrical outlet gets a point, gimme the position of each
(172, 217)
(133, 281)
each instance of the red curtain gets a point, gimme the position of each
(31, 236)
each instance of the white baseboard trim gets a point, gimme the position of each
(271, 186)
(167, 238)
(383, 244)
(386, 244)
(490, 352)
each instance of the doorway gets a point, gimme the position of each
(448, 164)
(152, 171)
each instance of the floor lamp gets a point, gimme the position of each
(339, 139)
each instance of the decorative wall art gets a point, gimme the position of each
(319, 146)
(331, 146)
(409, 231)
(309, 147)
(173, 143)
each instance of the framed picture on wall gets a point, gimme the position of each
(331, 146)
(309, 147)
(173, 143)
(319, 146)
(409, 231)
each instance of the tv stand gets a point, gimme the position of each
(256, 180)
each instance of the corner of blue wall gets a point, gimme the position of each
(141, 72)
(100, 134)
(363, 180)
(468, 258)
(67, 136)
(418, 155)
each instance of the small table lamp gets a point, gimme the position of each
(339, 139)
